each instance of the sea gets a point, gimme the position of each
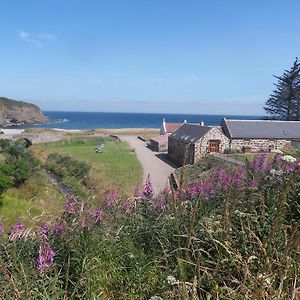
(93, 120)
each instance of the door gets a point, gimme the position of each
(214, 146)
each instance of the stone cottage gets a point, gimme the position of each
(260, 135)
(190, 142)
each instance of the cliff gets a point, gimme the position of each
(14, 112)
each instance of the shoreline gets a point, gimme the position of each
(47, 135)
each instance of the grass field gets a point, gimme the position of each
(36, 196)
(116, 166)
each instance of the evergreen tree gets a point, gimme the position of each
(284, 102)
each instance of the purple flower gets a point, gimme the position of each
(84, 222)
(70, 206)
(138, 192)
(239, 177)
(44, 229)
(96, 214)
(259, 161)
(46, 256)
(112, 199)
(148, 188)
(16, 231)
(58, 227)
(219, 173)
(1, 228)
(253, 184)
(166, 190)
(160, 205)
(127, 206)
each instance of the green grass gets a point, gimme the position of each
(37, 195)
(198, 171)
(248, 156)
(117, 166)
(13, 208)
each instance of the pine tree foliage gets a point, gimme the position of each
(284, 102)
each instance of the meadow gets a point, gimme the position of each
(116, 167)
(233, 235)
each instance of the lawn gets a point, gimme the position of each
(117, 166)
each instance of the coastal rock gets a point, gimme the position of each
(14, 112)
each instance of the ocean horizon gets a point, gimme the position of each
(93, 120)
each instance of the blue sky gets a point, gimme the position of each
(188, 56)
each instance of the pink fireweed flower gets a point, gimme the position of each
(58, 227)
(127, 206)
(70, 206)
(239, 177)
(16, 231)
(259, 161)
(112, 199)
(219, 173)
(44, 230)
(166, 190)
(138, 192)
(96, 214)
(148, 188)
(160, 205)
(46, 256)
(253, 184)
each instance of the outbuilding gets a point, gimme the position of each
(260, 135)
(190, 142)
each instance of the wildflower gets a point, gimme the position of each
(288, 158)
(112, 199)
(253, 184)
(159, 205)
(127, 206)
(239, 176)
(259, 161)
(46, 256)
(58, 227)
(172, 280)
(70, 206)
(219, 173)
(148, 188)
(138, 192)
(166, 190)
(44, 230)
(97, 215)
(17, 231)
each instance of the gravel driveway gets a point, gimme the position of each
(153, 163)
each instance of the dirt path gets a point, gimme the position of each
(153, 163)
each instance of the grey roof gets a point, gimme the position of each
(261, 129)
(190, 133)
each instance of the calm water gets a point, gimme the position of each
(92, 120)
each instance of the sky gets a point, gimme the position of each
(169, 56)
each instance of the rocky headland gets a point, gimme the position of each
(14, 112)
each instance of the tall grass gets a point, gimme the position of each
(232, 236)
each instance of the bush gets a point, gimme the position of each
(66, 166)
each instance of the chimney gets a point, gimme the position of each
(163, 129)
(202, 123)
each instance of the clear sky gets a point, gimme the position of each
(188, 56)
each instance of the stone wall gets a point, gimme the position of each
(201, 147)
(256, 145)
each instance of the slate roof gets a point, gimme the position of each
(261, 129)
(190, 133)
